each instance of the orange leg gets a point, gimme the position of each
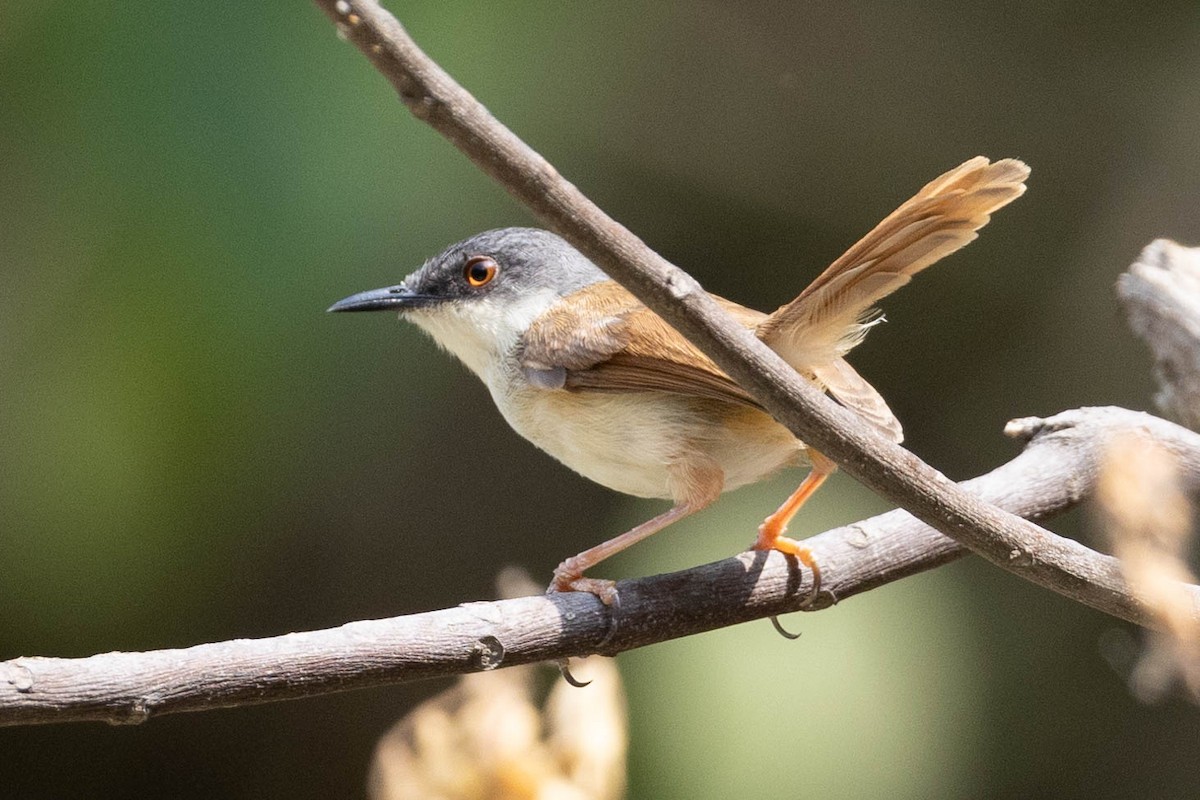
(771, 532)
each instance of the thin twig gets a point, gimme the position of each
(1055, 471)
(434, 97)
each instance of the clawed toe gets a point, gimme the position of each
(606, 590)
(602, 588)
(791, 547)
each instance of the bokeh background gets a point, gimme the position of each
(191, 450)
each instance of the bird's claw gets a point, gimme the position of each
(602, 588)
(564, 669)
(782, 631)
(790, 547)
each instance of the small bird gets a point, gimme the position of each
(581, 368)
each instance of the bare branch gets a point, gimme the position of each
(893, 472)
(1055, 471)
(1161, 293)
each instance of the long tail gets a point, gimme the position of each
(829, 317)
(815, 330)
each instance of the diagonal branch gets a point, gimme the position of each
(1054, 472)
(435, 98)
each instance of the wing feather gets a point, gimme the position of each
(608, 341)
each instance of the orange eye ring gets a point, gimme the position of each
(480, 271)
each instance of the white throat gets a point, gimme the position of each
(483, 331)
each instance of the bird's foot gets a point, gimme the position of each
(772, 538)
(605, 589)
(569, 579)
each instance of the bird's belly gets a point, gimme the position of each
(634, 442)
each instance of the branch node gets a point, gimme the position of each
(19, 676)
(861, 539)
(1024, 428)
(680, 285)
(134, 713)
(488, 652)
(1020, 558)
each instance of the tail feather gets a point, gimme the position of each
(829, 317)
(852, 390)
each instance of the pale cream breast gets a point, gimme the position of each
(628, 441)
(632, 442)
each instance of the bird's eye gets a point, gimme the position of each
(480, 270)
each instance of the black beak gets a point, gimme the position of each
(399, 298)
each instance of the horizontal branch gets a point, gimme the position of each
(434, 97)
(1055, 471)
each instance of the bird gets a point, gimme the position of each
(582, 369)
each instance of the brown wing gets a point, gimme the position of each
(608, 341)
(828, 318)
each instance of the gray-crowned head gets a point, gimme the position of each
(478, 296)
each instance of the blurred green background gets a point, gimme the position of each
(193, 450)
